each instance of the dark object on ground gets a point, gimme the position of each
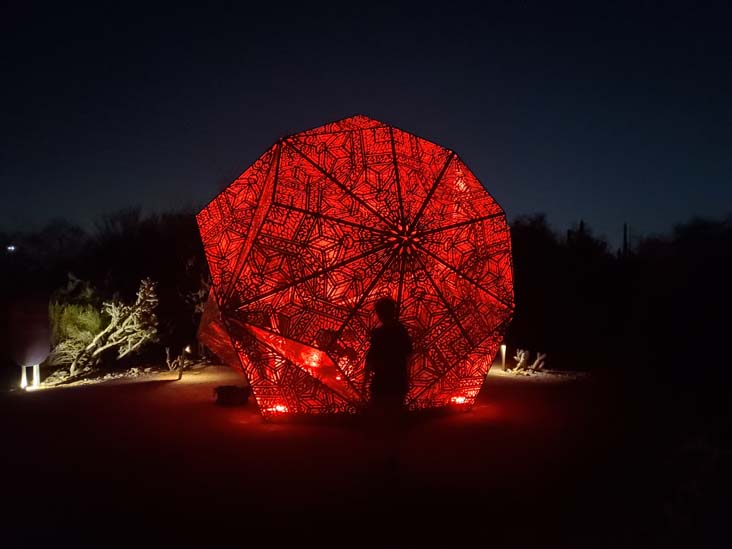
(231, 395)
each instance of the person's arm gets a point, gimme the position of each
(369, 361)
(407, 341)
(370, 355)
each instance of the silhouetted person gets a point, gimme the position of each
(386, 360)
(386, 370)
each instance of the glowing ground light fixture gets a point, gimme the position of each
(326, 222)
(36, 382)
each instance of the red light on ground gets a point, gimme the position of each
(278, 408)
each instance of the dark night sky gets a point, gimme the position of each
(609, 114)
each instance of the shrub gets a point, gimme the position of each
(74, 321)
(82, 332)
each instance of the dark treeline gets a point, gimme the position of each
(566, 290)
(123, 248)
(659, 306)
(656, 310)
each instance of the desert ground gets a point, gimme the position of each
(543, 461)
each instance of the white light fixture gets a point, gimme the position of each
(10, 248)
(503, 356)
(36, 377)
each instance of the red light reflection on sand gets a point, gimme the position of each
(278, 409)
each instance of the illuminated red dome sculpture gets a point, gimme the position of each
(323, 224)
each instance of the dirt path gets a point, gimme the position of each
(531, 465)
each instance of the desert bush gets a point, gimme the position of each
(84, 333)
(74, 321)
(76, 317)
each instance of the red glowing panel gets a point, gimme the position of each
(326, 222)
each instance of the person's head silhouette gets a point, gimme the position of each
(386, 310)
